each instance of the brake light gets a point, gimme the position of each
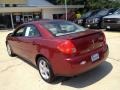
(101, 37)
(67, 47)
(104, 37)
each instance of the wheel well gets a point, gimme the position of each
(6, 42)
(39, 55)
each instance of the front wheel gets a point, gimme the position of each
(45, 70)
(9, 50)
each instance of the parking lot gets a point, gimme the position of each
(15, 74)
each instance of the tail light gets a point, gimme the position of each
(101, 37)
(104, 37)
(67, 47)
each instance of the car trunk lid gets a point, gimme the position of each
(86, 41)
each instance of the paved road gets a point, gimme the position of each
(15, 74)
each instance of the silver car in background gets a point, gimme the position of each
(112, 21)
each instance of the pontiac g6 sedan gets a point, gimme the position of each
(57, 47)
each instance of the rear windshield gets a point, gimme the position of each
(59, 28)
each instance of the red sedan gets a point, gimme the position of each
(57, 47)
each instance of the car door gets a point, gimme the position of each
(29, 42)
(15, 41)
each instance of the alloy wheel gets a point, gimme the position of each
(9, 50)
(44, 69)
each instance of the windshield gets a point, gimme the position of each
(117, 12)
(87, 14)
(58, 28)
(102, 12)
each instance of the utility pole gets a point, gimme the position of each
(12, 23)
(66, 10)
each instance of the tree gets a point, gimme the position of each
(62, 1)
(98, 4)
(69, 2)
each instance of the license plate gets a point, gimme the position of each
(95, 57)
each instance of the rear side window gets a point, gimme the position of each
(31, 31)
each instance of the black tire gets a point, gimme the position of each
(108, 29)
(49, 72)
(9, 50)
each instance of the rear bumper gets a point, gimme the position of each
(111, 25)
(80, 64)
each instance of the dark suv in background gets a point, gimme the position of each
(83, 18)
(95, 21)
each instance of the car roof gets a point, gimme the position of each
(56, 20)
(43, 21)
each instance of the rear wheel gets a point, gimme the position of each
(9, 50)
(45, 70)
